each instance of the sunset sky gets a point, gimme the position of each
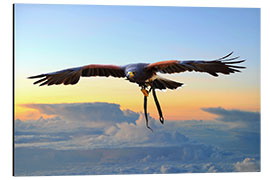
(54, 37)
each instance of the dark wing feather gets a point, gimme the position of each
(222, 65)
(72, 75)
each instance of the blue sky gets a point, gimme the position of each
(125, 34)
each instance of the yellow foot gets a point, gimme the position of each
(145, 92)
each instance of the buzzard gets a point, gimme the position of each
(144, 74)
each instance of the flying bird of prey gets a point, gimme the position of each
(144, 74)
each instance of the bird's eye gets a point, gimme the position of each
(134, 72)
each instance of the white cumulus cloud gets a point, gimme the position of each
(247, 165)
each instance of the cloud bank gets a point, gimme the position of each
(89, 112)
(238, 118)
(103, 137)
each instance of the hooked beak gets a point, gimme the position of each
(130, 74)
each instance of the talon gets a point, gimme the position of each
(145, 92)
(161, 120)
(150, 128)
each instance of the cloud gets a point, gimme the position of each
(247, 165)
(175, 147)
(81, 130)
(123, 134)
(238, 117)
(138, 134)
(37, 138)
(87, 112)
(187, 158)
(83, 118)
(166, 169)
(242, 128)
(89, 125)
(208, 167)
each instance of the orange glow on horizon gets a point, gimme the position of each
(23, 113)
(182, 104)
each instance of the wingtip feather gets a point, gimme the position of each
(37, 76)
(224, 57)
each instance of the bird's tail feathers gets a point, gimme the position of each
(163, 83)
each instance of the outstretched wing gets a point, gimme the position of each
(72, 75)
(224, 65)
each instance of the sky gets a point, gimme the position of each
(54, 37)
(202, 119)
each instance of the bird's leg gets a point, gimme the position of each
(145, 113)
(161, 118)
(145, 93)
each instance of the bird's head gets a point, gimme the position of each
(131, 74)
